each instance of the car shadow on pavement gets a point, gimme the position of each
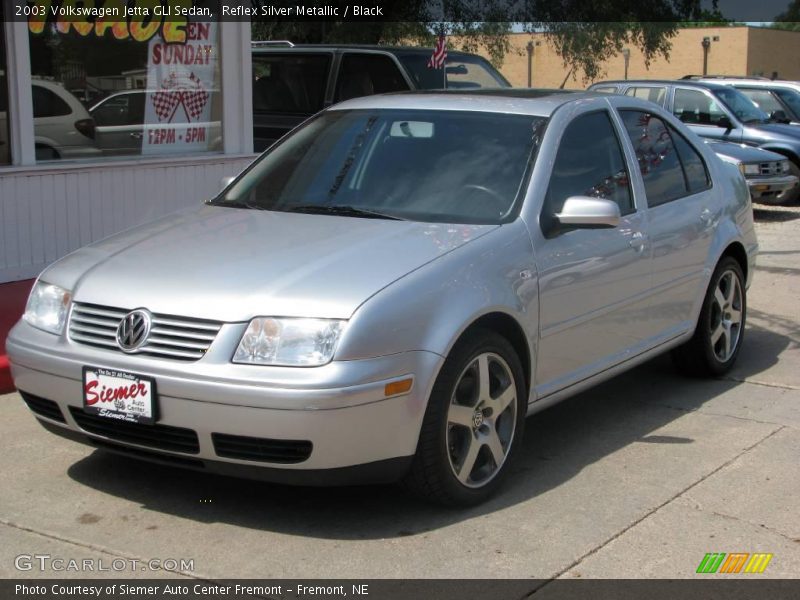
(559, 443)
(774, 215)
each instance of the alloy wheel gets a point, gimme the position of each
(726, 316)
(481, 420)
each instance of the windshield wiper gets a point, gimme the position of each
(234, 204)
(340, 210)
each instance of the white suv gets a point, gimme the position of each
(62, 126)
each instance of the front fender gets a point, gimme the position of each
(431, 307)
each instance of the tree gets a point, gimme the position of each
(790, 18)
(584, 33)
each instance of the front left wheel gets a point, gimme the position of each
(473, 423)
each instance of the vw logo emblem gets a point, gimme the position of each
(133, 330)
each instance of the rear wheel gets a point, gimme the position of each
(720, 329)
(473, 423)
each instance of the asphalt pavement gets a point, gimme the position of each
(637, 478)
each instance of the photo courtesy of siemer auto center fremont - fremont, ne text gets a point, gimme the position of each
(400, 300)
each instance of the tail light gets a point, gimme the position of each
(86, 127)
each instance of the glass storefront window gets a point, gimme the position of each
(116, 86)
(5, 149)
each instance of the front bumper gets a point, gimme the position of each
(770, 188)
(354, 430)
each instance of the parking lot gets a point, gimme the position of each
(639, 477)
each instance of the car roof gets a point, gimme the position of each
(501, 100)
(279, 48)
(765, 83)
(706, 85)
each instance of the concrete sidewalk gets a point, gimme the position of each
(639, 477)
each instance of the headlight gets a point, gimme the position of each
(289, 342)
(783, 166)
(754, 169)
(47, 307)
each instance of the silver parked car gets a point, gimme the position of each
(389, 290)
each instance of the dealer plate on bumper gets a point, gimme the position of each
(119, 395)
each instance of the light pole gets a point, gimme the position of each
(706, 45)
(626, 54)
(530, 64)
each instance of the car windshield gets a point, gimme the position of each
(792, 100)
(741, 106)
(421, 165)
(464, 71)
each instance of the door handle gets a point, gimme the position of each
(638, 241)
(137, 135)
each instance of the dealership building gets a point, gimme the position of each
(107, 125)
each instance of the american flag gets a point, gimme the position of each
(439, 53)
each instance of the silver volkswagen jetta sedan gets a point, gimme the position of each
(388, 291)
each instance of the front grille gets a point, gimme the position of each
(261, 449)
(163, 437)
(43, 407)
(179, 338)
(771, 168)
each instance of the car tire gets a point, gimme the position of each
(471, 430)
(719, 334)
(46, 153)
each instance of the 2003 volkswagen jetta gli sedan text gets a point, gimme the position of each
(389, 290)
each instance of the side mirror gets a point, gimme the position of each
(225, 182)
(779, 116)
(589, 213)
(725, 123)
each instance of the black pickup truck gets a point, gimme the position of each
(291, 83)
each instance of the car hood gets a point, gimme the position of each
(778, 132)
(743, 153)
(232, 264)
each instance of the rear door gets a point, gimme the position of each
(288, 88)
(681, 216)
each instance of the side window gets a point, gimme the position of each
(764, 100)
(367, 74)
(657, 151)
(589, 162)
(653, 94)
(48, 104)
(697, 178)
(290, 83)
(693, 107)
(112, 112)
(605, 90)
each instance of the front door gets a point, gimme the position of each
(593, 283)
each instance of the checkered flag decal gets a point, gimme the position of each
(180, 91)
